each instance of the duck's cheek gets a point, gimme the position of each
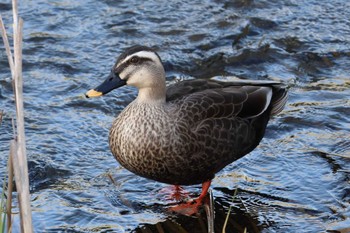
(136, 80)
(131, 82)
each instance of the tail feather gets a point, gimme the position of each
(279, 99)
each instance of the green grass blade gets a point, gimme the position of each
(229, 212)
(2, 208)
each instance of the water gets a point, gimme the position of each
(297, 180)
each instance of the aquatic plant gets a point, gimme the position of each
(3, 209)
(229, 212)
(17, 157)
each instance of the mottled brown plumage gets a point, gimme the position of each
(188, 132)
(191, 137)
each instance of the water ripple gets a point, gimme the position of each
(295, 181)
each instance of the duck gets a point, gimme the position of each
(187, 132)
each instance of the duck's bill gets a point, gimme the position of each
(112, 82)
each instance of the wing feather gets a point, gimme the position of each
(241, 98)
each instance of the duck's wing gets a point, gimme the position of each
(183, 88)
(220, 125)
(213, 99)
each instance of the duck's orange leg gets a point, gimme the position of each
(191, 207)
(178, 193)
(174, 192)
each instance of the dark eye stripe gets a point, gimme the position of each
(129, 62)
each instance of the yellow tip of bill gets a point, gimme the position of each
(93, 93)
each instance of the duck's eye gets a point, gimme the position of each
(134, 60)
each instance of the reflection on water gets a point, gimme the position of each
(297, 180)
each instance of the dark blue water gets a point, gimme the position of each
(297, 180)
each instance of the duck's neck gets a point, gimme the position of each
(152, 95)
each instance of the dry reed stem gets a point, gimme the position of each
(209, 210)
(10, 186)
(7, 46)
(19, 157)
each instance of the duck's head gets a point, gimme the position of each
(138, 66)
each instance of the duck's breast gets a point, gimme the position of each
(146, 141)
